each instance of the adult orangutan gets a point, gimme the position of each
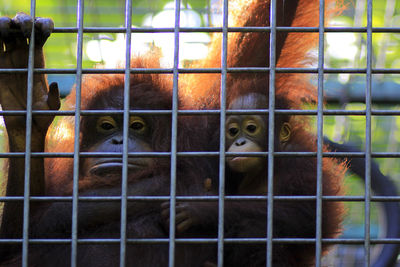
(99, 175)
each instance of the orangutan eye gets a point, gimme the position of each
(251, 128)
(106, 124)
(138, 124)
(233, 131)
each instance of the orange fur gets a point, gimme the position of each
(251, 49)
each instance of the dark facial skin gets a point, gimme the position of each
(108, 137)
(246, 133)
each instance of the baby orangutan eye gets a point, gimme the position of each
(251, 128)
(233, 131)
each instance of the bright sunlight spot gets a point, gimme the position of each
(192, 46)
(342, 45)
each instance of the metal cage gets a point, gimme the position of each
(391, 241)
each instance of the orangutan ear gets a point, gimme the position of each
(285, 132)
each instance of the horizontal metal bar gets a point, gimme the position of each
(219, 29)
(346, 241)
(84, 112)
(199, 154)
(309, 112)
(94, 71)
(87, 154)
(206, 70)
(199, 198)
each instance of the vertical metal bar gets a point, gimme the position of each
(74, 231)
(221, 189)
(174, 133)
(271, 132)
(125, 134)
(368, 137)
(320, 132)
(28, 130)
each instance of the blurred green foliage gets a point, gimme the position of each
(60, 49)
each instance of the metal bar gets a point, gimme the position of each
(221, 189)
(201, 154)
(230, 29)
(311, 112)
(320, 134)
(203, 198)
(271, 133)
(207, 70)
(174, 133)
(368, 138)
(125, 134)
(331, 112)
(78, 87)
(346, 241)
(28, 139)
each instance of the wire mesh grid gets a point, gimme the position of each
(174, 154)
